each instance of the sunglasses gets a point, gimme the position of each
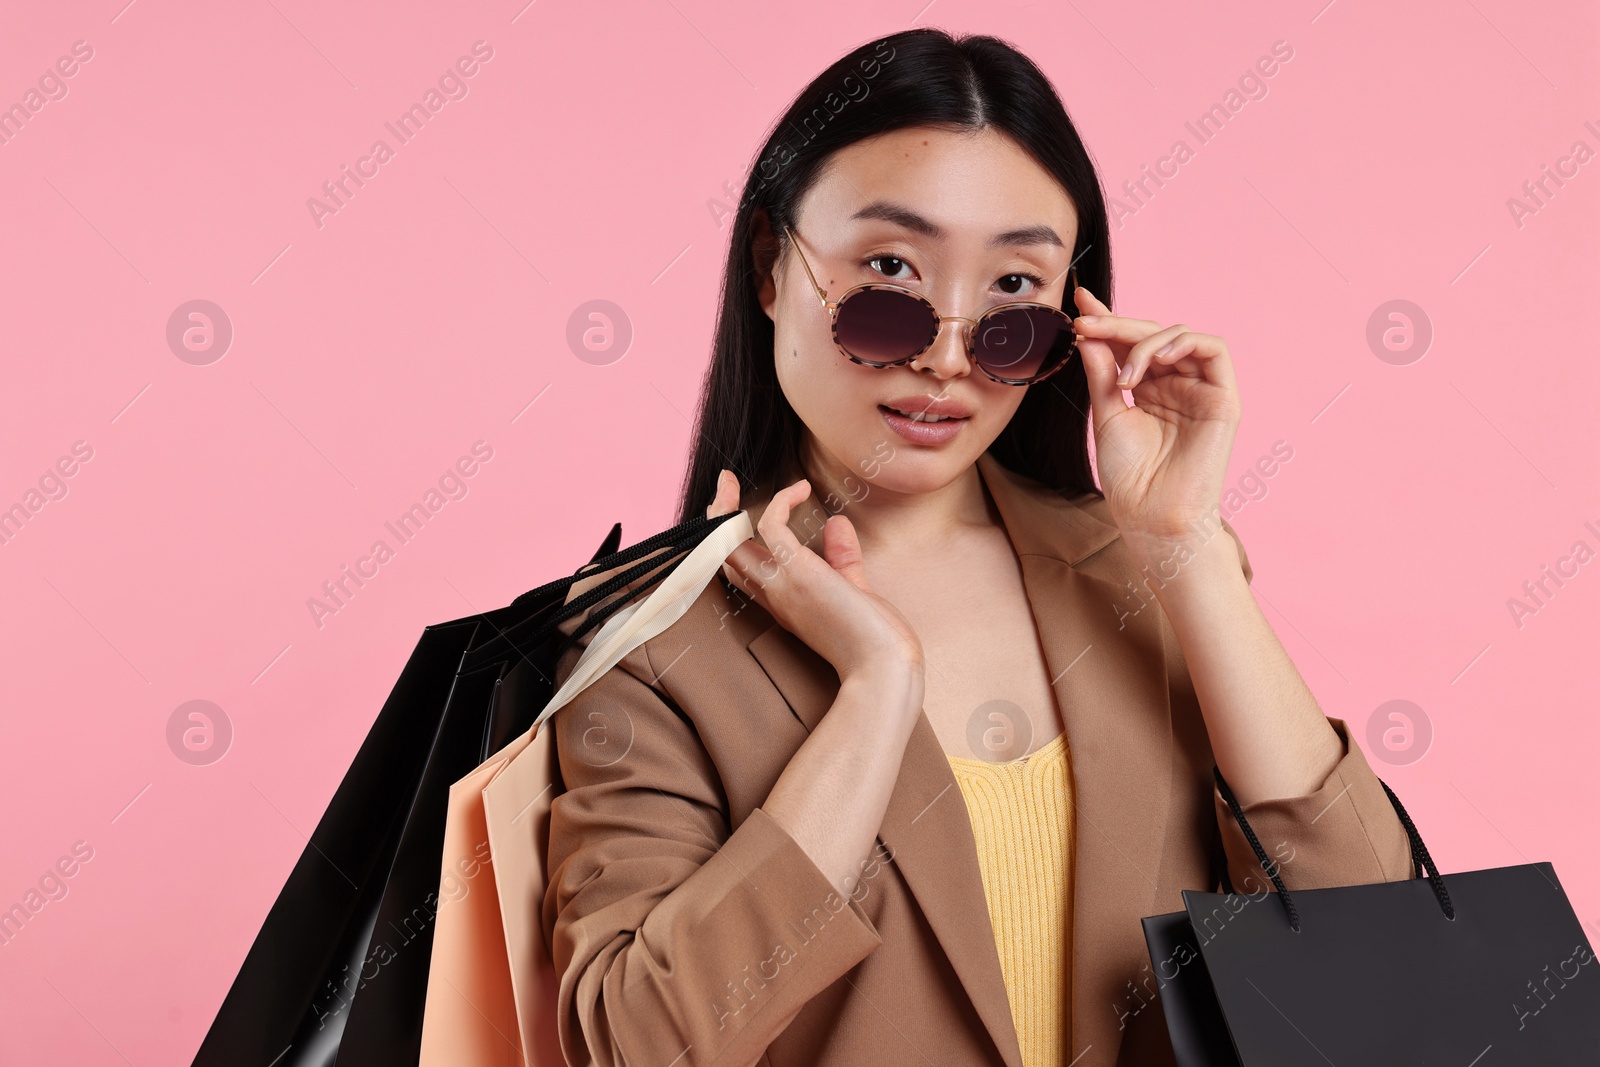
(884, 325)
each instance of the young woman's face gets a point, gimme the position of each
(969, 221)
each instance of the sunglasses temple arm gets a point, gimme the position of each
(821, 296)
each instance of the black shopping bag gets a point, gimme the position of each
(503, 680)
(338, 974)
(1477, 969)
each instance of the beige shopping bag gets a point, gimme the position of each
(492, 983)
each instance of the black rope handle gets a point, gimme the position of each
(696, 529)
(1421, 859)
(682, 539)
(529, 631)
(662, 549)
(1261, 854)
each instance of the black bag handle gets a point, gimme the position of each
(1421, 859)
(662, 549)
(682, 539)
(694, 529)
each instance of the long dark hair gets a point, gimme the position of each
(921, 77)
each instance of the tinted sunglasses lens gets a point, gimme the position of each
(883, 326)
(1022, 343)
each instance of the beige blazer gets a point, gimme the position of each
(690, 928)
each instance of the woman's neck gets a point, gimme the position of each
(893, 520)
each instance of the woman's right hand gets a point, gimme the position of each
(824, 600)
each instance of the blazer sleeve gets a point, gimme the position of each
(1344, 832)
(675, 932)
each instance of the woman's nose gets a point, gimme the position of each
(947, 356)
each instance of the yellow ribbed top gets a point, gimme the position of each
(1021, 819)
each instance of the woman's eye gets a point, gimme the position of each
(888, 266)
(1010, 284)
(1007, 283)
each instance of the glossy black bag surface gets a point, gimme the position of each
(1481, 968)
(338, 974)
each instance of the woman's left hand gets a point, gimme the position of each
(1163, 460)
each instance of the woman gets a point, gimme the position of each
(900, 787)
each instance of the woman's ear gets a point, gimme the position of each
(764, 256)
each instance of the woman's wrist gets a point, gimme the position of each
(1176, 540)
(892, 682)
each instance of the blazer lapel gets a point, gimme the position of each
(926, 832)
(1108, 669)
(1109, 678)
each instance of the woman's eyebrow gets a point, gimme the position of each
(900, 215)
(1028, 235)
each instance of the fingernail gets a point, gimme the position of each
(1127, 376)
(1088, 320)
(1166, 348)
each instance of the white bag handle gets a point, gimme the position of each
(633, 625)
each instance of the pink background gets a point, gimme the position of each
(586, 162)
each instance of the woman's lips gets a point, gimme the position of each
(922, 433)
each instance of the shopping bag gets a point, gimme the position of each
(502, 681)
(385, 1020)
(1486, 967)
(492, 985)
(285, 999)
(354, 916)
